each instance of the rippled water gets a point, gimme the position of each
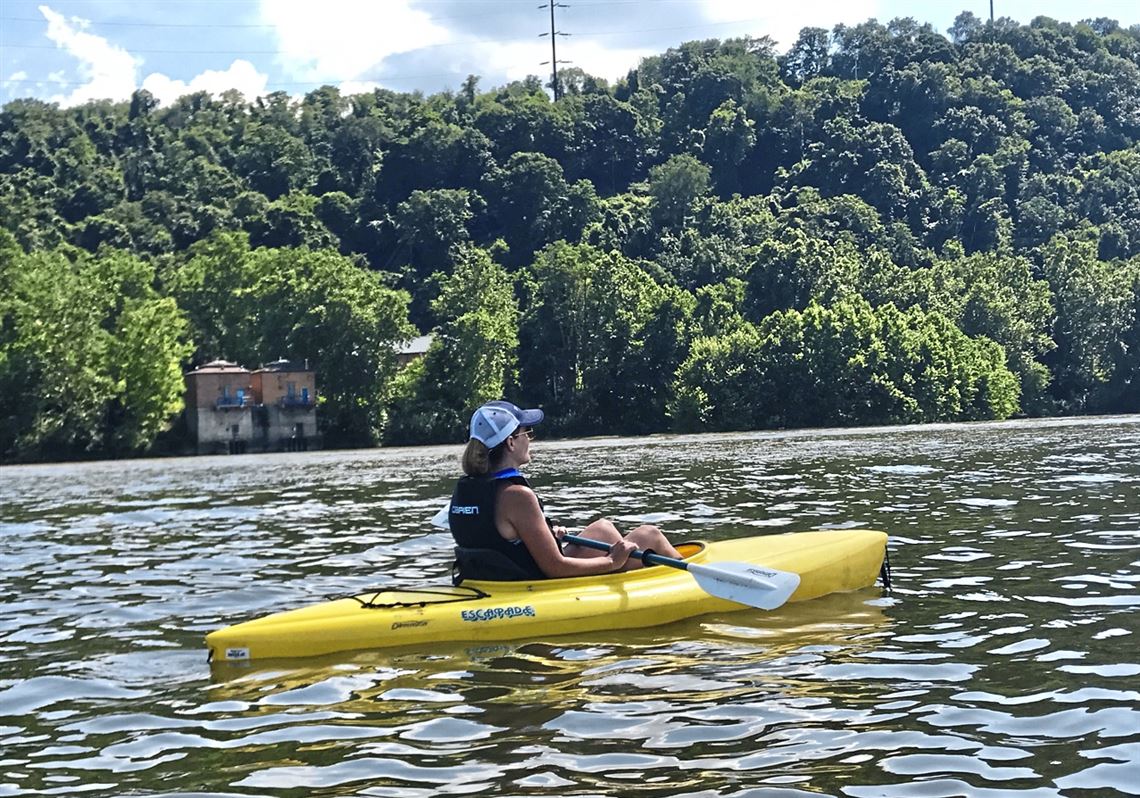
(1005, 662)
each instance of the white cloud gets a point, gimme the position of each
(784, 21)
(349, 87)
(17, 84)
(341, 40)
(108, 70)
(241, 75)
(518, 59)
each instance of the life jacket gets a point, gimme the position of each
(480, 551)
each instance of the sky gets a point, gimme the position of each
(72, 51)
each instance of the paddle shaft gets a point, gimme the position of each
(647, 557)
(742, 583)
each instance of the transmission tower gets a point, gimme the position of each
(554, 34)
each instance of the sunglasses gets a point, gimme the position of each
(529, 433)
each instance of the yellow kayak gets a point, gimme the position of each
(827, 561)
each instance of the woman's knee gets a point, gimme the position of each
(602, 529)
(648, 536)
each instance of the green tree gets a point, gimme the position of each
(845, 364)
(728, 139)
(273, 161)
(90, 355)
(433, 225)
(675, 187)
(1095, 306)
(794, 269)
(472, 358)
(998, 297)
(599, 340)
(534, 205)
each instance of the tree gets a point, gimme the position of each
(432, 226)
(612, 143)
(90, 355)
(729, 138)
(808, 58)
(1095, 305)
(795, 269)
(599, 339)
(433, 154)
(873, 161)
(998, 297)
(844, 364)
(472, 359)
(534, 205)
(273, 161)
(675, 186)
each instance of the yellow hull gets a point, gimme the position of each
(827, 562)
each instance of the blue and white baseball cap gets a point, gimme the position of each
(493, 423)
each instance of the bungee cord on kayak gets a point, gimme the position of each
(371, 599)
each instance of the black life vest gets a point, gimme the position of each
(481, 552)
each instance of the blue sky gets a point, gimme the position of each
(71, 51)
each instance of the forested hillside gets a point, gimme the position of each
(882, 225)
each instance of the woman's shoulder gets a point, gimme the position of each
(517, 491)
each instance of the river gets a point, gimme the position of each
(1005, 662)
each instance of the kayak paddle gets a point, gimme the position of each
(754, 585)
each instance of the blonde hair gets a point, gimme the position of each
(476, 459)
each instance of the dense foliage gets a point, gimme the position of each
(882, 225)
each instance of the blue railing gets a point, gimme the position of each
(231, 401)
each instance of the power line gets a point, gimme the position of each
(554, 34)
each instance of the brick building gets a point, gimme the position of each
(232, 409)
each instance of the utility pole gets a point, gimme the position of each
(554, 34)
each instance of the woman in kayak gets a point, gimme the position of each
(495, 514)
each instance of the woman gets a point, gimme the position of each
(495, 514)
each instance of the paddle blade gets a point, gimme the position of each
(442, 519)
(753, 585)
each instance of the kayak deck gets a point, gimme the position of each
(826, 561)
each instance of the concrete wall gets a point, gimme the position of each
(217, 430)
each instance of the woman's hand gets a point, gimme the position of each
(620, 551)
(559, 532)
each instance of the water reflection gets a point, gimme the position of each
(1004, 663)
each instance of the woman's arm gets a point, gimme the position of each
(519, 516)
